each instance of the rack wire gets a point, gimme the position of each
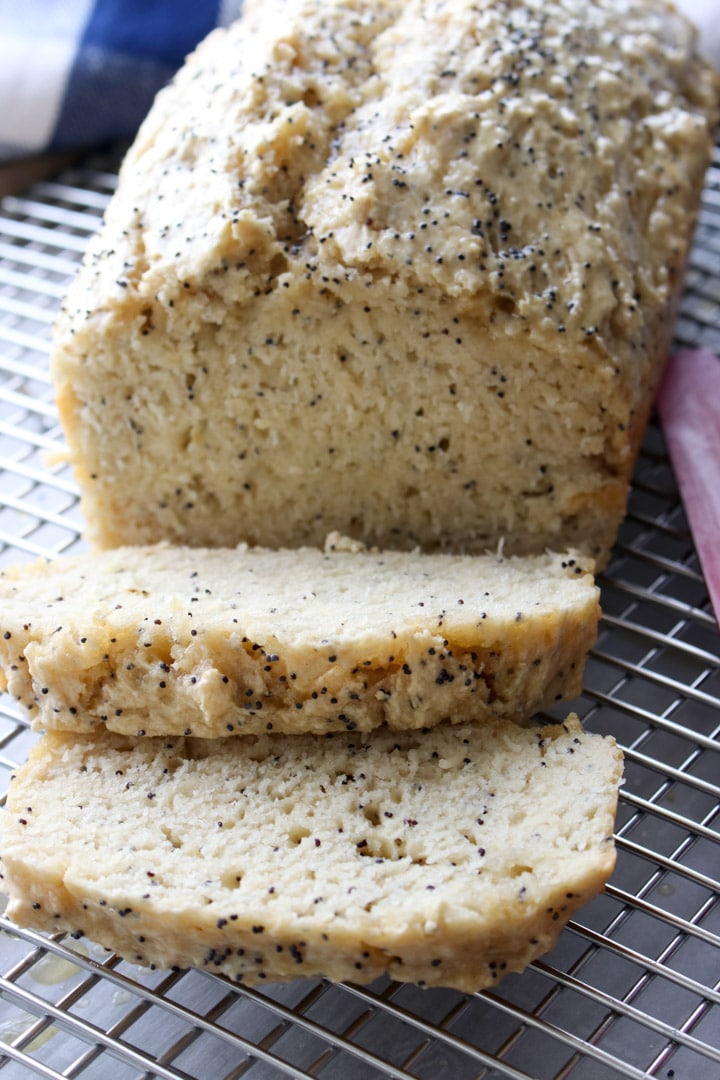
(630, 991)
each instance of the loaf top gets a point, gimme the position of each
(447, 856)
(537, 161)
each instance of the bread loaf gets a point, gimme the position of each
(170, 640)
(446, 858)
(401, 269)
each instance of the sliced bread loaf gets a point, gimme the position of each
(166, 640)
(447, 857)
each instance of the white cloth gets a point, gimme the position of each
(706, 16)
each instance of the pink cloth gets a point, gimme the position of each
(689, 407)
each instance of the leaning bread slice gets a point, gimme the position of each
(168, 640)
(446, 857)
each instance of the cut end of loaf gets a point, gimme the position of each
(446, 858)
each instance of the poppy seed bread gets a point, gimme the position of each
(445, 858)
(172, 640)
(406, 270)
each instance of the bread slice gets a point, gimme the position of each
(165, 640)
(400, 268)
(448, 857)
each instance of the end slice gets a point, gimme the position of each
(444, 858)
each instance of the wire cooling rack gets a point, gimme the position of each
(632, 988)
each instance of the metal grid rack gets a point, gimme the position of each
(631, 989)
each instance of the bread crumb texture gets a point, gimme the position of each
(210, 642)
(402, 269)
(445, 858)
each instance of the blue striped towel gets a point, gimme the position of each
(79, 73)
